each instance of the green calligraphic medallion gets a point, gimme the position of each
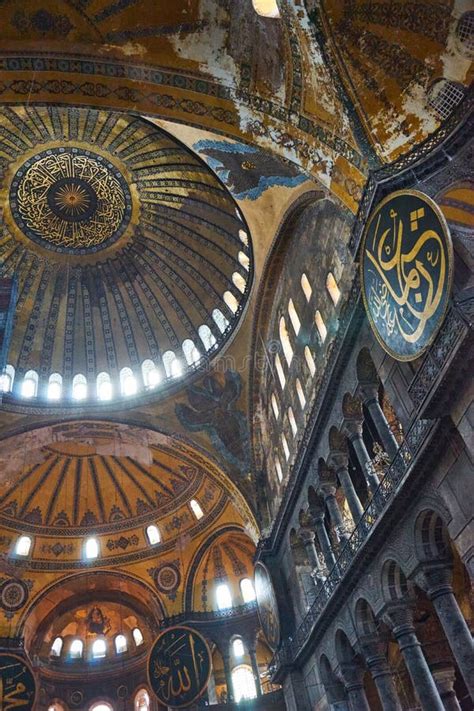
(179, 667)
(267, 605)
(406, 271)
(17, 683)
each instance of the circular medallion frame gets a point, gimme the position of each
(6, 589)
(267, 605)
(25, 677)
(385, 308)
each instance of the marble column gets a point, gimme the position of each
(400, 619)
(436, 581)
(353, 677)
(354, 433)
(228, 676)
(328, 492)
(444, 679)
(307, 537)
(371, 401)
(377, 664)
(340, 463)
(254, 664)
(324, 541)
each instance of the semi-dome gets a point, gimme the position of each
(132, 259)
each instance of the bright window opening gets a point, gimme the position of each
(120, 644)
(171, 365)
(128, 384)
(104, 387)
(247, 590)
(306, 286)
(286, 449)
(243, 236)
(79, 387)
(6, 379)
(196, 509)
(231, 301)
(279, 369)
(91, 548)
(244, 260)
(223, 597)
(243, 683)
(266, 8)
(285, 341)
(190, 351)
(55, 386)
(99, 649)
(333, 289)
(300, 393)
(56, 647)
(239, 281)
(142, 701)
(238, 648)
(291, 418)
(444, 95)
(310, 360)
(29, 387)
(101, 706)
(207, 337)
(150, 374)
(279, 470)
(76, 648)
(321, 326)
(23, 546)
(294, 318)
(275, 408)
(220, 320)
(137, 636)
(153, 535)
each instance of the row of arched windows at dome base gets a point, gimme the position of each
(104, 389)
(141, 703)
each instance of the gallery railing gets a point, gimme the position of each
(416, 437)
(211, 615)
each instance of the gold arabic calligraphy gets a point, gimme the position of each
(185, 672)
(13, 692)
(411, 281)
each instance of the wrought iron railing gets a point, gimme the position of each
(384, 494)
(211, 615)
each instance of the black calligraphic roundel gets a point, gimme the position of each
(179, 666)
(17, 683)
(267, 605)
(406, 272)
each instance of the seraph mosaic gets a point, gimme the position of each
(246, 171)
(213, 410)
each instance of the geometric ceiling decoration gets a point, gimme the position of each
(126, 246)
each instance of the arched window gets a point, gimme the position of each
(101, 706)
(153, 535)
(465, 32)
(207, 337)
(279, 470)
(294, 318)
(150, 374)
(243, 683)
(196, 509)
(79, 387)
(55, 386)
(91, 548)
(444, 95)
(29, 386)
(300, 393)
(333, 289)
(285, 341)
(238, 648)
(244, 260)
(220, 320)
(23, 546)
(56, 706)
(56, 647)
(137, 636)
(120, 644)
(266, 8)
(286, 449)
(6, 379)
(239, 281)
(142, 700)
(279, 369)
(247, 590)
(321, 326)
(309, 360)
(243, 236)
(99, 649)
(231, 301)
(128, 383)
(171, 365)
(291, 418)
(306, 286)
(223, 596)
(76, 649)
(104, 386)
(190, 351)
(275, 407)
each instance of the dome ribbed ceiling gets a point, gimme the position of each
(123, 241)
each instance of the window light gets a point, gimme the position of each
(104, 387)
(286, 449)
(92, 548)
(243, 683)
(128, 383)
(79, 387)
(196, 509)
(279, 470)
(231, 301)
(23, 546)
(285, 341)
(137, 636)
(266, 8)
(333, 289)
(294, 318)
(239, 281)
(29, 387)
(56, 647)
(120, 644)
(247, 590)
(300, 393)
(99, 649)
(75, 650)
(291, 418)
(279, 369)
(244, 260)
(220, 320)
(276, 410)
(207, 337)
(223, 597)
(306, 286)
(153, 535)
(321, 326)
(238, 648)
(310, 360)
(190, 351)
(55, 385)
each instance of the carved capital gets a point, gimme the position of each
(306, 535)
(399, 617)
(435, 579)
(352, 675)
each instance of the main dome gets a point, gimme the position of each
(127, 250)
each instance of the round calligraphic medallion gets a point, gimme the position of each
(70, 200)
(406, 271)
(267, 605)
(167, 578)
(13, 594)
(17, 683)
(179, 667)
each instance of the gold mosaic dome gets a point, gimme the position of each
(126, 247)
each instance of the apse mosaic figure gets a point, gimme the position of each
(406, 271)
(267, 605)
(179, 666)
(17, 684)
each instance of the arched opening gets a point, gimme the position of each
(101, 706)
(29, 387)
(150, 374)
(285, 341)
(223, 596)
(171, 365)
(120, 643)
(23, 546)
(55, 386)
(207, 337)
(243, 683)
(190, 351)
(104, 386)
(142, 700)
(238, 648)
(292, 421)
(266, 8)
(99, 649)
(76, 649)
(306, 286)
(286, 449)
(220, 320)
(56, 647)
(137, 636)
(247, 589)
(153, 535)
(308, 356)
(278, 469)
(294, 318)
(6, 379)
(231, 301)
(333, 289)
(79, 387)
(275, 408)
(239, 281)
(196, 509)
(244, 260)
(91, 549)
(279, 370)
(321, 326)
(300, 393)
(444, 95)
(128, 383)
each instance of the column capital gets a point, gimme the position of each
(338, 461)
(327, 488)
(368, 392)
(306, 535)
(353, 428)
(352, 675)
(435, 578)
(399, 617)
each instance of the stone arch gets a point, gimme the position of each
(364, 618)
(365, 368)
(432, 541)
(395, 585)
(333, 686)
(351, 407)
